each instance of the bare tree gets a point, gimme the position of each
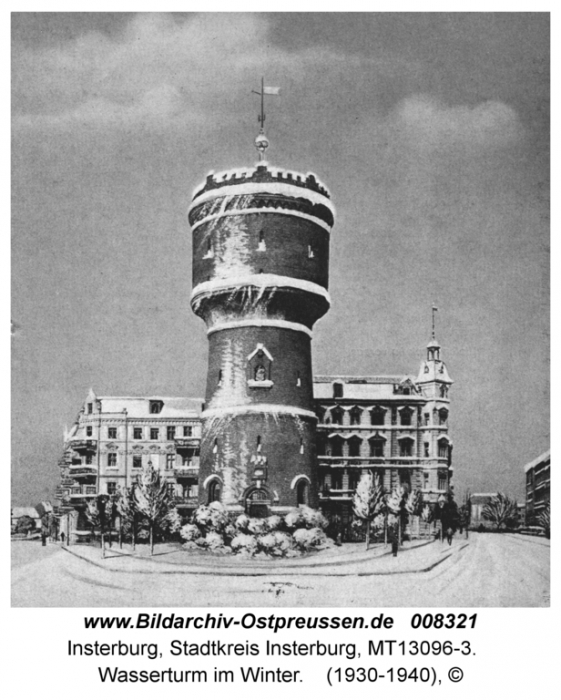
(368, 500)
(152, 498)
(414, 505)
(499, 509)
(396, 506)
(544, 519)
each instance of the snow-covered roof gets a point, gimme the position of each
(433, 370)
(534, 463)
(371, 388)
(139, 406)
(20, 511)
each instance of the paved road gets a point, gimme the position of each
(495, 570)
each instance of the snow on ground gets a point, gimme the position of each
(494, 570)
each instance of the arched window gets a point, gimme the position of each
(258, 446)
(442, 416)
(356, 415)
(406, 447)
(337, 415)
(377, 416)
(214, 491)
(302, 492)
(354, 446)
(320, 413)
(261, 246)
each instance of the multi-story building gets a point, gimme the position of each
(538, 475)
(113, 437)
(394, 426)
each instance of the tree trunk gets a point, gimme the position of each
(367, 534)
(151, 539)
(102, 545)
(134, 533)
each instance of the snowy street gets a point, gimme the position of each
(493, 571)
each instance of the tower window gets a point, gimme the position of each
(259, 443)
(337, 390)
(215, 446)
(427, 446)
(442, 482)
(443, 391)
(261, 245)
(302, 492)
(219, 377)
(298, 379)
(301, 446)
(311, 253)
(443, 448)
(90, 408)
(442, 416)
(209, 250)
(214, 491)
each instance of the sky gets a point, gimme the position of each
(430, 130)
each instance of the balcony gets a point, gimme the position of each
(82, 471)
(187, 501)
(337, 495)
(187, 472)
(78, 493)
(84, 445)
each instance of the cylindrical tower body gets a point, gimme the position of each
(260, 277)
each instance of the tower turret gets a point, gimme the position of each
(260, 279)
(435, 382)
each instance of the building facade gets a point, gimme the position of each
(114, 437)
(260, 278)
(393, 426)
(538, 494)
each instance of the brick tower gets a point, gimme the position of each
(260, 278)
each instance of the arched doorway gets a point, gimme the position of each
(257, 503)
(214, 491)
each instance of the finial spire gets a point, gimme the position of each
(434, 309)
(261, 142)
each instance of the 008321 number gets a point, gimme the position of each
(441, 621)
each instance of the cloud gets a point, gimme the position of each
(430, 123)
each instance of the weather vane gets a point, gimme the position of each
(261, 142)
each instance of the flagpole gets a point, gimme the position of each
(262, 104)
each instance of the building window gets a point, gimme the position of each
(261, 246)
(443, 448)
(310, 252)
(154, 433)
(301, 446)
(377, 416)
(356, 415)
(215, 446)
(442, 416)
(170, 461)
(354, 447)
(111, 487)
(111, 459)
(336, 447)
(89, 431)
(156, 406)
(219, 377)
(377, 448)
(337, 415)
(137, 433)
(112, 433)
(427, 446)
(442, 482)
(90, 408)
(425, 480)
(258, 444)
(320, 413)
(406, 447)
(427, 418)
(89, 459)
(406, 416)
(443, 391)
(337, 390)
(137, 461)
(187, 431)
(298, 379)
(209, 251)
(171, 432)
